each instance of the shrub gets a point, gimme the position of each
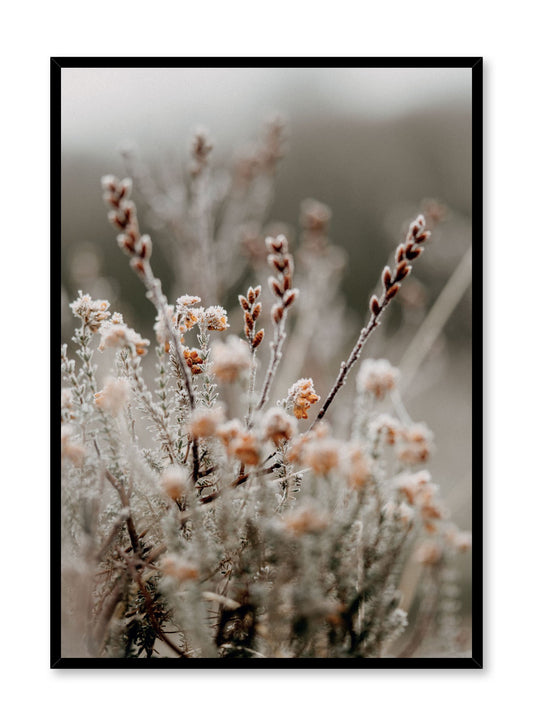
(202, 519)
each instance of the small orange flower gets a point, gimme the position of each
(246, 449)
(302, 395)
(193, 360)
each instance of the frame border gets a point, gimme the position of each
(476, 64)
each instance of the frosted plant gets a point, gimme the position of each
(202, 519)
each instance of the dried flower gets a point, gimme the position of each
(377, 377)
(194, 360)
(174, 481)
(323, 456)
(188, 317)
(414, 445)
(359, 467)
(411, 484)
(278, 426)
(245, 447)
(91, 312)
(229, 431)
(387, 426)
(230, 359)
(188, 300)
(302, 395)
(205, 421)
(114, 396)
(216, 318)
(297, 449)
(118, 335)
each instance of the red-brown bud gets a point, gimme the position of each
(244, 303)
(289, 297)
(392, 291)
(256, 310)
(275, 287)
(258, 338)
(277, 314)
(374, 305)
(423, 237)
(145, 247)
(400, 252)
(386, 277)
(414, 252)
(138, 265)
(402, 271)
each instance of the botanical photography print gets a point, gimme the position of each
(266, 363)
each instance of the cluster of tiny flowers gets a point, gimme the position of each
(194, 360)
(411, 484)
(186, 315)
(228, 431)
(115, 333)
(215, 318)
(230, 359)
(187, 301)
(204, 422)
(240, 443)
(173, 481)
(246, 447)
(114, 396)
(359, 467)
(386, 426)
(323, 456)
(302, 395)
(92, 312)
(278, 426)
(377, 377)
(414, 444)
(419, 491)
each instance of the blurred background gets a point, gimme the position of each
(377, 146)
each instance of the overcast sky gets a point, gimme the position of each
(158, 105)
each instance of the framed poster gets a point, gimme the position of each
(265, 315)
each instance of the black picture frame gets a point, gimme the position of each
(476, 66)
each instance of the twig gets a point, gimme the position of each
(391, 281)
